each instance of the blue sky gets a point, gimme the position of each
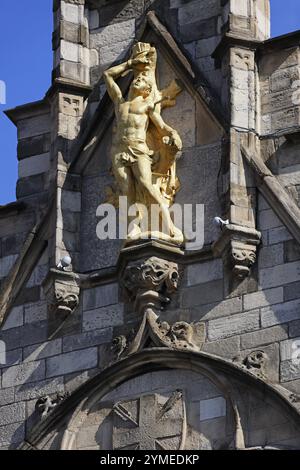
(26, 64)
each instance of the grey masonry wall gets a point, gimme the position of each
(261, 313)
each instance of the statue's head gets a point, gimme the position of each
(141, 86)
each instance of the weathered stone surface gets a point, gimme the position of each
(204, 272)
(281, 313)
(278, 235)
(6, 263)
(279, 275)
(15, 318)
(263, 337)
(289, 370)
(213, 408)
(12, 358)
(263, 298)
(32, 391)
(33, 146)
(71, 200)
(269, 256)
(216, 310)
(104, 317)
(202, 294)
(12, 413)
(47, 349)
(227, 348)
(291, 291)
(34, 126)
(199, 29)
(31, 185)
(268, 220)
(234, 325)
(291, 251)
(112, 34)
(71, 362)
(23, 373)
(12, 433)
(294, 329)
(35, 312)
(7, 396)
(84, 340)
(25, 335)
(100, 296)
(289, 349)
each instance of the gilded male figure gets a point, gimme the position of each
(142, 172)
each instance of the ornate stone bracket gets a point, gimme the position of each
(156, 333)
(150, 282)
(238, 245)
(62, 291)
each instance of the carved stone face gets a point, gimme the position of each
(141, 86)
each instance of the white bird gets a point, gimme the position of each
(220, 222)
(64, 263)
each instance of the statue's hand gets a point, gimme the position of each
(140, 60)
(167, 140)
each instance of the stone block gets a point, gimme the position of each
(100, 296)
(17, 375)
(72, 12)
(234, 325)
(206, 47)
(279, 275)
(269, 256)
(12, 413)
(41, 351)
(72, 362)
(34, 126)
(199, 29)
(74, 71)
(104, 317)
(268, 220)
(10, 358)
(35, 390)
(227, 348)
(197, 10)
(291, 251)
(121, 11)
(35, 312)
(71, 201)
(14, 319)
(217, 310)
(204, 272)
(12, 433)
(263, 337)
(7, 396)
(280, 313)
(288, 349)
(34, 165)
(37, 277)
(31, 185)
(6, 263)
(294, 329)
(34, 146)
(289, 370)
(263, 298)
(278, 235)
(112, 34)
(202, 294)
(213, 408)
(94, 20)
(84, 340)
(291, 291)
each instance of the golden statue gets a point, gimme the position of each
(145, 148)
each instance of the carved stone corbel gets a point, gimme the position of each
(238, 245)
(150, 282)
(62, 292)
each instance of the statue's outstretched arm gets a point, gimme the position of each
(111, 75)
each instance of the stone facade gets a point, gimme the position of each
(85, 353)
